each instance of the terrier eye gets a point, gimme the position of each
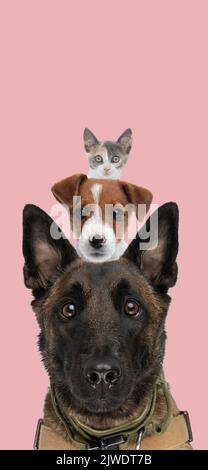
(69, 310)
(117, 214)
(82, 213)
(132, 308)
(98, 159)
(115, 159)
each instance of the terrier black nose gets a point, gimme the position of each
(102, 373)
(97, 241)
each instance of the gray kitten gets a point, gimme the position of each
(106, 158)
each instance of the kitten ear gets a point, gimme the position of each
(125, 141)
(89, 140)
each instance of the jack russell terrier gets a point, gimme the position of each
(99, 212)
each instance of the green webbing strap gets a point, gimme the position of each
(161, 427)
(76, 430)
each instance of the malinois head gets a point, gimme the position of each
(102, 326)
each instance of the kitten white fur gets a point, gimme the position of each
(113, 174)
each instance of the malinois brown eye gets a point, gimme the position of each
(115, 159)
(69, 310)
(98, 159)
(132, 308)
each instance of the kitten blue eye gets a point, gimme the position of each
(115, 159)
(98, 159)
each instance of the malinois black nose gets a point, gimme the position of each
(102, 374)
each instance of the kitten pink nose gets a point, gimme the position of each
(107, 170)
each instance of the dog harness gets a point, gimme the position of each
(174, 432)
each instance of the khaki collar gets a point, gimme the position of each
(133, 432)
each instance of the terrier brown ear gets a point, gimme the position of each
(137, 195)
(65, 189)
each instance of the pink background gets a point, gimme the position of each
(107, 65)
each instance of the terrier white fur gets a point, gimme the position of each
(111, 250)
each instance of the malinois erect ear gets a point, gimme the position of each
(44, 256)
(158, 262)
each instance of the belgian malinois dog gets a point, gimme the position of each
(102, 339)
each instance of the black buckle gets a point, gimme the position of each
(107, 443)
(37, 434)
(188, 424)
